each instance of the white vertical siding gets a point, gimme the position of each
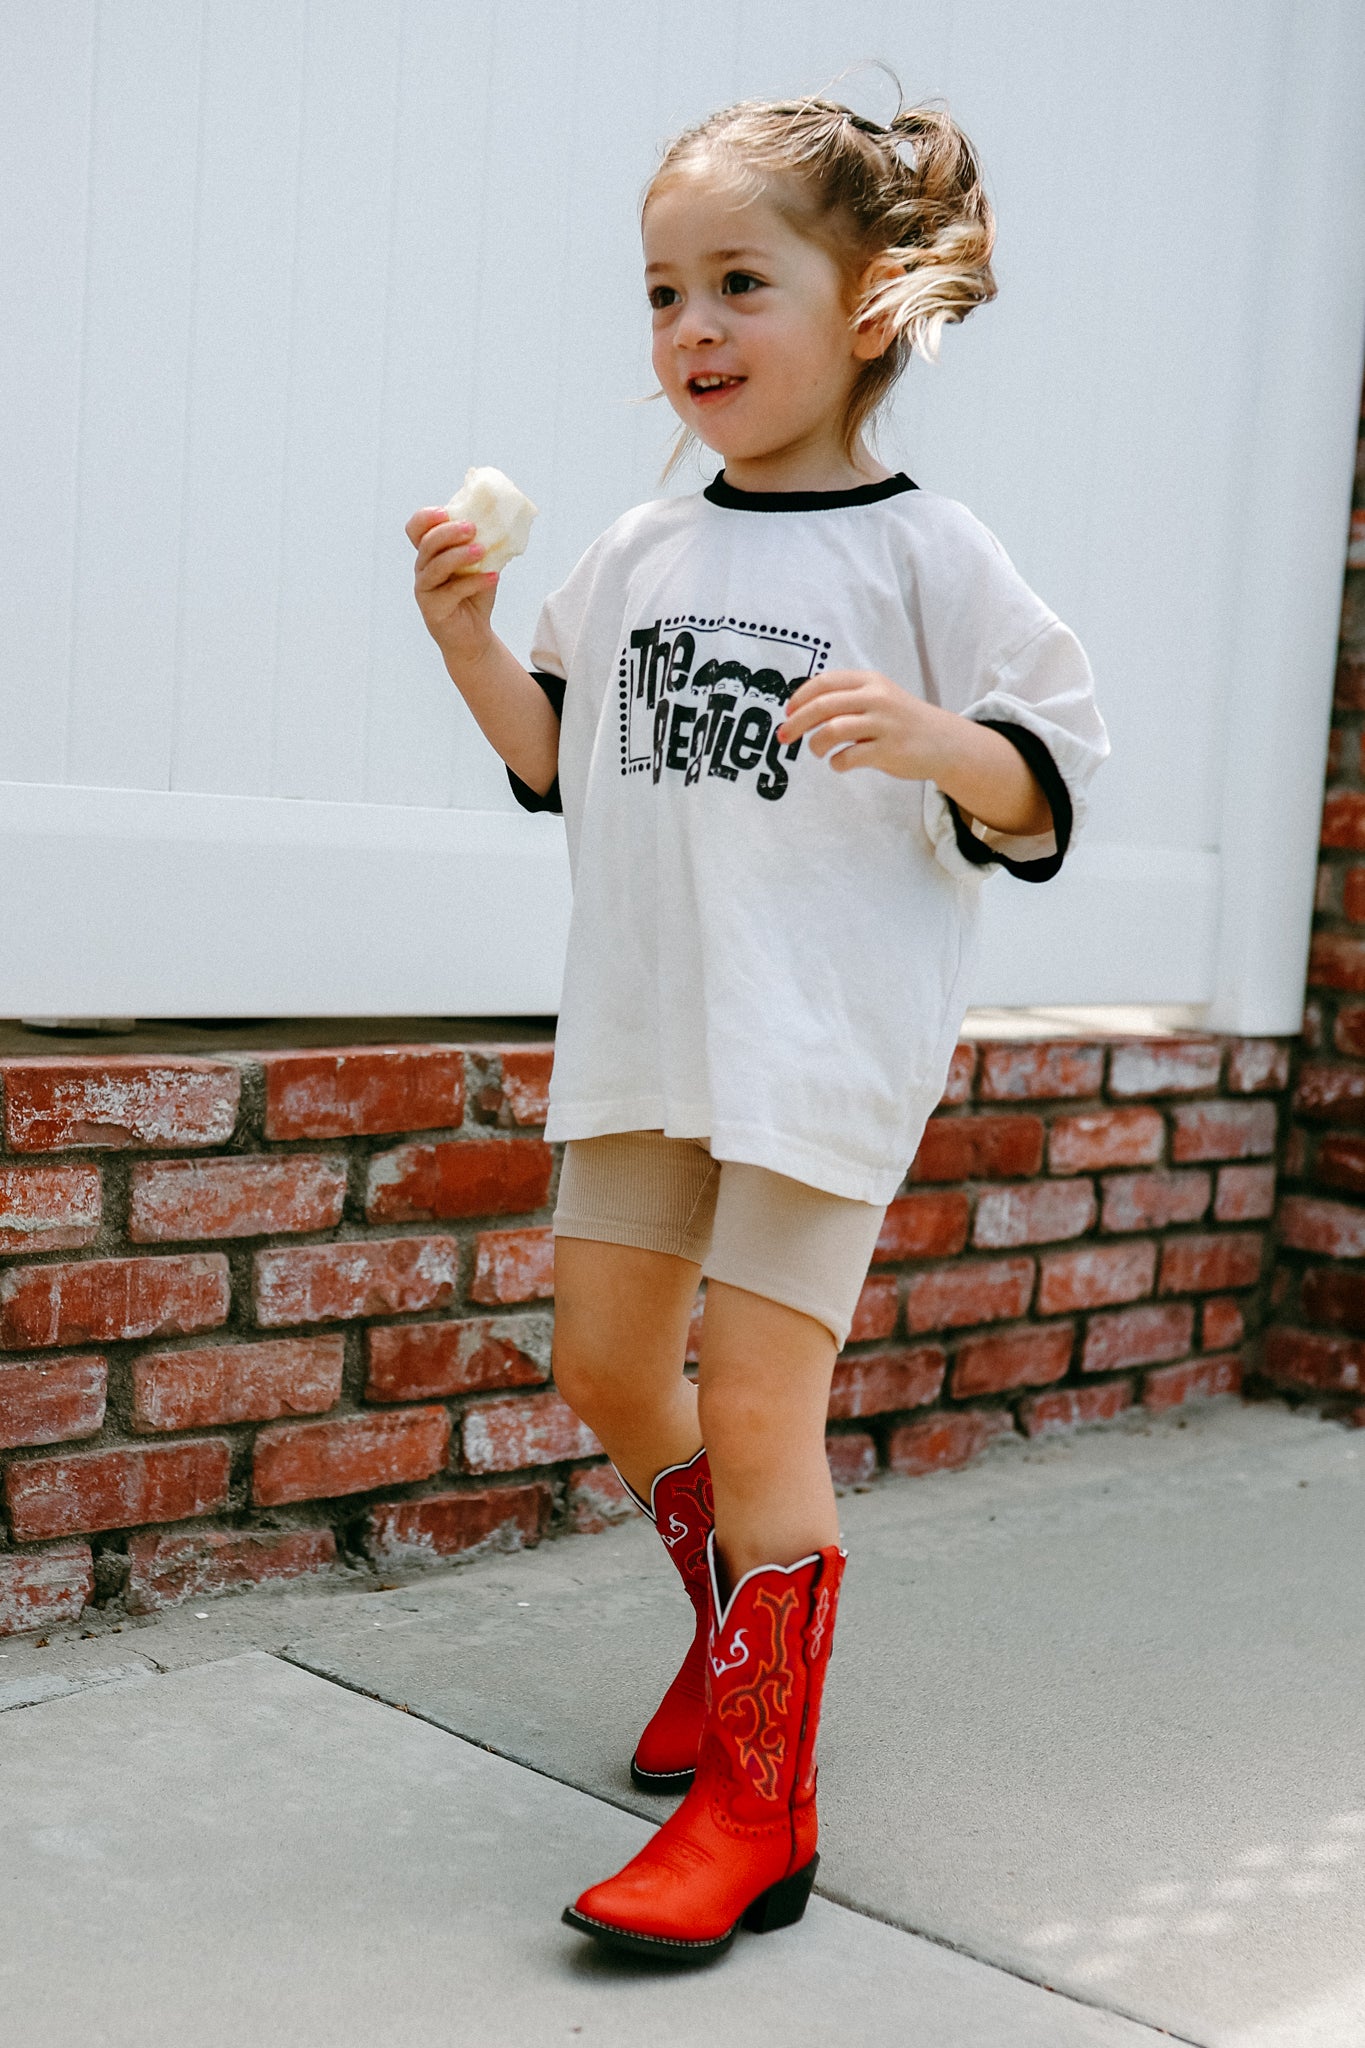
(279, 270)
(420, 745)
(1289, 508)
(231, 596)
(131, 431)
(338, 345)
(46, 87)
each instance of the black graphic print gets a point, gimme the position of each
(704, 696)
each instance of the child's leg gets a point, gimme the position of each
(784, 1271)
(764, 1388)
(743, 1845)
(620, 1339)
(632, 1225)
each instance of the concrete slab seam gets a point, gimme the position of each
(958, 1948)
(286, 1656)
(509, 1756)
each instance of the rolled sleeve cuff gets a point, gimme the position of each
(528, 798)
(974, 852)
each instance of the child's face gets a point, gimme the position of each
(753, 344)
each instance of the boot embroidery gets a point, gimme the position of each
(806, 1788)
(755, 1714)
(818, 1621)
(683, 1856)
(691, 1513)
(738, 1643)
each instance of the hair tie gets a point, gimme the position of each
(891, 137)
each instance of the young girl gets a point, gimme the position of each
(770, 951)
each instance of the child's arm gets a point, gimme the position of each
(455, 599)
(876, 724)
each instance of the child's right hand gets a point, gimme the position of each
(454, 596)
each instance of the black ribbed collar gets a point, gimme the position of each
(719, 492)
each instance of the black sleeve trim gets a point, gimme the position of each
(553, 686)
(1039, 759)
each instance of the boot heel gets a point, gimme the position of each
(782, 1904)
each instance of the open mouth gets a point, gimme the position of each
(712, 386)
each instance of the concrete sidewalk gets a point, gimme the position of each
(1094, 1723)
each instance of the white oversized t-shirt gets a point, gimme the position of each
(764, 951)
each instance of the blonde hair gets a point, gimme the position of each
(841, 180)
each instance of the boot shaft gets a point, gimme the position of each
(769, 1647)
(682, 1507)
(684, 1511)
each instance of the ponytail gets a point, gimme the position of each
(943, 230)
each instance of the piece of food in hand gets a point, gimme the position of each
(500, 514)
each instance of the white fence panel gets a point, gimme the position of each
(44, 179)
(130, 474)
(281, 269)
(230, 594)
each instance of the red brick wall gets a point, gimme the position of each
(259, 1313)
(1315, 1344)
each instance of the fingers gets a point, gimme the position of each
(862, 754)
(816, 688)
(441, 533)
(818, 714)
(423, 520)
(445, 551)
(824, 697)
(843, 732)
(432, 532)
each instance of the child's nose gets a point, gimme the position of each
(698, 324)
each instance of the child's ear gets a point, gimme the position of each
(872, 336)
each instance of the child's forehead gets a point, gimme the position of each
(697, 213)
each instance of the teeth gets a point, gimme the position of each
(711, 383)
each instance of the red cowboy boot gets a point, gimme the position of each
(682, 1510)
(741, 1848)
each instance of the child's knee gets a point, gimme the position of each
(591, 1376)
(741, 1431)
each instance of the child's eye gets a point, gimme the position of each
(738, 282)
(661, 296)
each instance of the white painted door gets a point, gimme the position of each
(277, 272)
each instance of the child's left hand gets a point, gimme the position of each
(871, 720)
(876, 724)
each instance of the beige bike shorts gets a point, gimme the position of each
(742, 1224)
